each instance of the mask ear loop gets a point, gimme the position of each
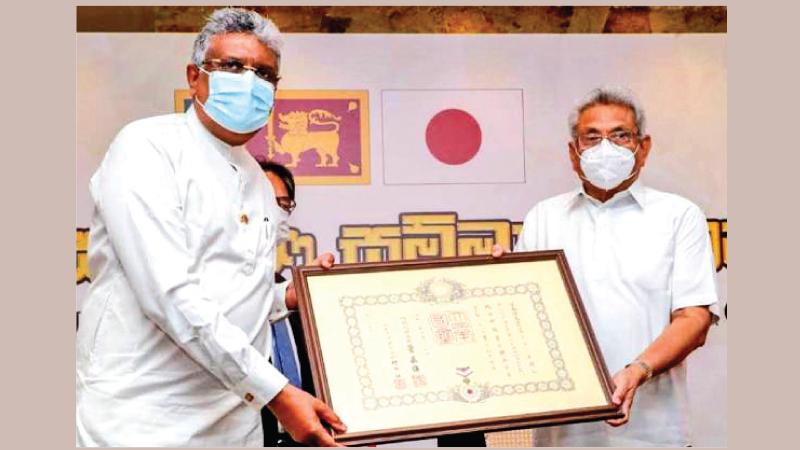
(194, 97)
(638, 146)
(624, 180)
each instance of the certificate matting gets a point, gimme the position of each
(425, 348)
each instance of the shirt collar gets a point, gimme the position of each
(638, 193)
(635, 190)
(204, 135)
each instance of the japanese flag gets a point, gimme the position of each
(453, 136)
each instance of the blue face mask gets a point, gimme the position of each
(238, 102)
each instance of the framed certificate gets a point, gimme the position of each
(417, 349)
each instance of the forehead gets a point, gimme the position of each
(606, 117)
(243, 46)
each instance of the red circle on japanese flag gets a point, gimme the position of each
(453, 136)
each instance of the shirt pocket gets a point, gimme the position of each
(267, 232)
(267, 244)
(270, 228)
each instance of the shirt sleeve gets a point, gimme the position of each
(526, 241)
(138, 198)
(693, 274)
(279, 309)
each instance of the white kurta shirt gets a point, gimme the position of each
(173, 333)
(635, 258)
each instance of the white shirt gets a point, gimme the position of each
(636, 258)
(173, 333)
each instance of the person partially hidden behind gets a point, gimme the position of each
(288, 350)
(644, 267)
(176, 325)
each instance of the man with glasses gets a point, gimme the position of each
(644, 268)
(176, 325)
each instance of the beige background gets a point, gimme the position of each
(688, 125)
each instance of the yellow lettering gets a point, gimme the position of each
(724, 236)
(428, 235)
(718, 231)
(299, 250)
(82, 259)
(516, 229)
(370, 243)
(714, 233)
(476, 237)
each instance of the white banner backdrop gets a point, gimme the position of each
(681, 80)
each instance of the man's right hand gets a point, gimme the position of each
(301, 415)
(498, 250)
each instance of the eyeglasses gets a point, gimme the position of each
(233, 65)
(286, 203)
(618, 137)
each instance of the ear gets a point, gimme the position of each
(192, 78)
(574, 158)
(644, 150)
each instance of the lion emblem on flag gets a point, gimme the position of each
(299, 138)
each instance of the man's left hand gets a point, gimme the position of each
(325, 261)
(626, 381)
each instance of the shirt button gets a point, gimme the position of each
(249, 397)
(248, 268)
(244, 219)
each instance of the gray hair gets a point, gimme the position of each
(608, 95)
(237, 20)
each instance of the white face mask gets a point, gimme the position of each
(282, 228)
(607, 165)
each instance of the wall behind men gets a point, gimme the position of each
(680, 79)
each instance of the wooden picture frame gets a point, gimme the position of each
(418, 349)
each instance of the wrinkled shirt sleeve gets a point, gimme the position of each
(693, 274)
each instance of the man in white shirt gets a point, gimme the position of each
(643, 263)
(170, 351)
